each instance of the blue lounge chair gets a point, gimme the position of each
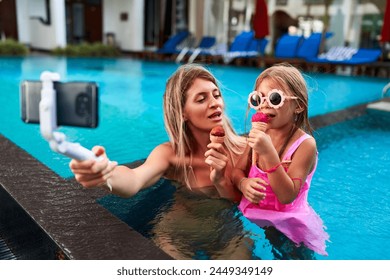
(242, 41)
(244, 44)
(348, 56)
(218, 52)
(287, 46)
(170, 46)
(344, 60)
(296, 49)
(363, 56)
(294, 46)
(255, 49)
(258, 46)
(205, 44)
(310, 47)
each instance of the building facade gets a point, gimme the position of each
(137, 25)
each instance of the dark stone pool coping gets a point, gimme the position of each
(55, 218)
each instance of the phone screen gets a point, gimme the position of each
(77, 103)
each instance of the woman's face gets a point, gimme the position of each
(204, 105)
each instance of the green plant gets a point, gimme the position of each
(87, 50)
(12, 47)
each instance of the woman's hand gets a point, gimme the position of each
(93, 173)
(252, 189)
(217, 159)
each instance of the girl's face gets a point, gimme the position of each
(204, 106)
(277, 116)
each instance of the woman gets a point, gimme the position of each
(193, 223)
(193, 105)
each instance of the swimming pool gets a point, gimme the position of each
(131, 102)
(347, 191)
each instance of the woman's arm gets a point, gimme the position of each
(124, 181)
(241, 169)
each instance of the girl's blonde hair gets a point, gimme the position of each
(291, 80)
(175, 97)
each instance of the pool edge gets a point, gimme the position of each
(68, 214)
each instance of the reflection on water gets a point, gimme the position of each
(192, 226)
(197, 227)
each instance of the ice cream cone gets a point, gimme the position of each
(217, 135)
(259, 121)
(217, 139)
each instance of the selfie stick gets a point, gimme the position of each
(48, 121)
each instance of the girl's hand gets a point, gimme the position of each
(217, 159)
(253, 189)
(93, 173)
(259, 141)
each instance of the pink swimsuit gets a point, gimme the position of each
(297, 220)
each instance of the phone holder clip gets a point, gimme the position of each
(48, 121)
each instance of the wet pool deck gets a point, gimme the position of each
(43, 216)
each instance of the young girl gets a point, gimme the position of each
(276, 189)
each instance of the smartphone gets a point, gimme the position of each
(77, 103)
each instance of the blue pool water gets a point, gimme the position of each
(349, 190)
(131, 102)
(351, 187)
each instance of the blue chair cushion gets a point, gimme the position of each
(287, 46)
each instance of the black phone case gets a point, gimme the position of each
(77, 103)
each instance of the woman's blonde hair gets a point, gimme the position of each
(175, 97)
(290, 79)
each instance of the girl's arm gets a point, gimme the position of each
(286, 185)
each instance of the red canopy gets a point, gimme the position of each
(260, 21)
(385, 35)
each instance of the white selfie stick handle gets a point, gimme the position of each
(69, 149)
(48, 122)
(48, 105)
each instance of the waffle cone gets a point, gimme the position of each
(259, 125)
(263, 127)
(217, 139)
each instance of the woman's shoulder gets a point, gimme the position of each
(166, 152)
(162, 155)
(165, 149)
